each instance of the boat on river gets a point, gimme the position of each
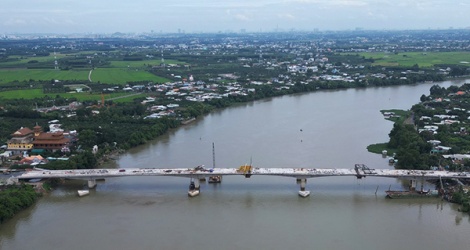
(411, 194)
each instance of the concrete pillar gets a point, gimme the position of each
(302, 184)
(92, 183)
(413, 185)
(197, 184)
(303, 193)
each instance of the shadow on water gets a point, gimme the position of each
(9, 227)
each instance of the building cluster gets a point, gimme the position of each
(30, 144)
(455, 115)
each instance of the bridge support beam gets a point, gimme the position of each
(92, 183)
(413, 184)
(303, 193)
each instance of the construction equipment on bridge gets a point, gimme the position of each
(365, 170)
(246, 169)
(215, 178)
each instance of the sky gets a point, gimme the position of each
(194, 16)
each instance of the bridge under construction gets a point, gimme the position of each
(200, 173)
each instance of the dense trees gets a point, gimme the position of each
(413, 149)
(14, 199)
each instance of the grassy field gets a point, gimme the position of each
(119, 72)
(379, 147)
(423, 59)
(123, 75)
(23, 61)
(104, 75)
(129, 98)
(10, 75)
(37, 93)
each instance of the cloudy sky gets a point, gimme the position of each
(108, 16)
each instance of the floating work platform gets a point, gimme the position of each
(215, 179)
(192, 193)
(83, 192)
(304, 193)
(411, 194)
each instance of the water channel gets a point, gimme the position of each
(327, 129)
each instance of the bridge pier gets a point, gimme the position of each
(303, 193)
(413, 184)
(92, 183)
(194, 187)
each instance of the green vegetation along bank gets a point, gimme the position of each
(14, 199)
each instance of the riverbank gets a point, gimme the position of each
(15, 199)
(395, 116)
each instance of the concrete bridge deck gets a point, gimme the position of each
(299, 173)
(198, 173)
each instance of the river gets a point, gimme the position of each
(325, 129)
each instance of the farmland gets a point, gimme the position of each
(82, 96)
(123, 75)
(422, 59)
(12, 75)
(25, 61)
(41, 68)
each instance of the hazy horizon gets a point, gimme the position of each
(183, 16)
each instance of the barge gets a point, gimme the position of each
(411, 194)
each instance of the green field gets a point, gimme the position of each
(37, 93)
(423, 59)
(123, 75)
(22, 62)
(129, 98)
(103, 75)
(119, 72)
(10, 75)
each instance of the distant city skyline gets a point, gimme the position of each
(184, 16)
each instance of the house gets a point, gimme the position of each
(33, 160)
(440, 149)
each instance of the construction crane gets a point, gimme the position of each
(215, 178)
